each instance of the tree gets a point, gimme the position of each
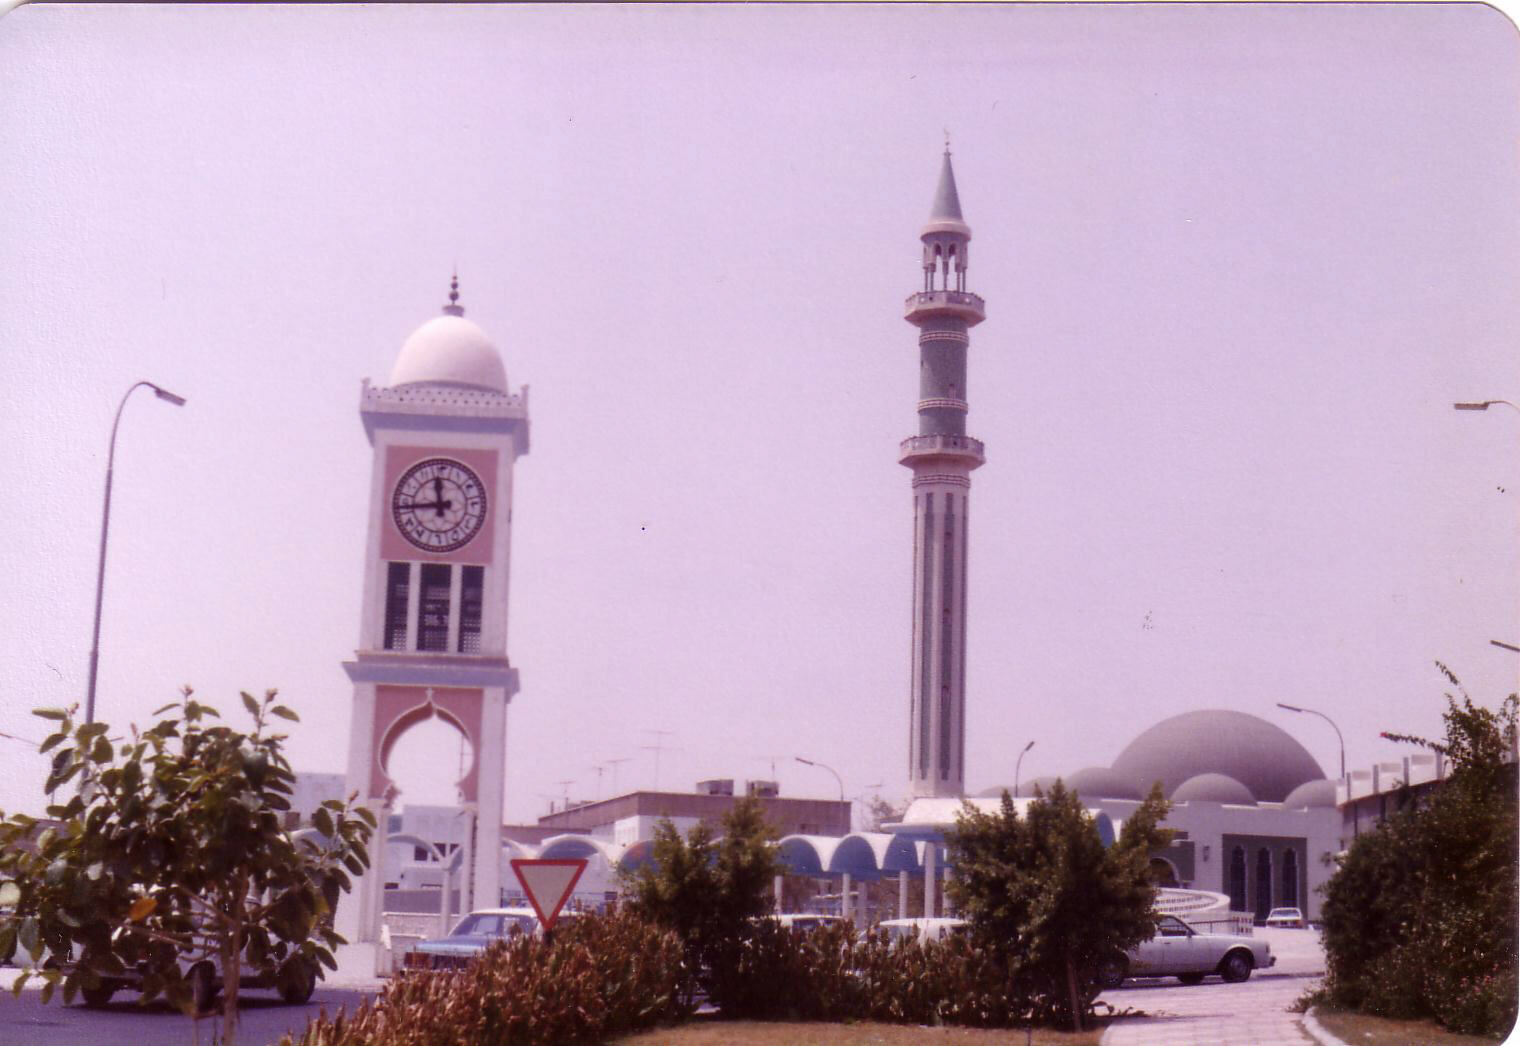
(1045, 894)
(1421, 914)
(172, 857)
(708, 889)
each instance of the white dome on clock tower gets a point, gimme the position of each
(450, 350)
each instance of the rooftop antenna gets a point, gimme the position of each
(614, 764)
(656, 748)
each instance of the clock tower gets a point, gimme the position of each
(433, 624)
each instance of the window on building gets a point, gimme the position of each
(433, 607)
(398, 583)
(471, 603)
(420, 853)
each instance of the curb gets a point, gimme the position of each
(1317, 1031)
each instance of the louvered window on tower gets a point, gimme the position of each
(398, 583)
(471, 602)
(433, 607)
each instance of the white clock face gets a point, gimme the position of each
(439, 505)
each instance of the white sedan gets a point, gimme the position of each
(1180, 951)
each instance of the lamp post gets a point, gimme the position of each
(105, 525)
(1484, 405)
(1342, 740)
(1018, 764)
(822, 766)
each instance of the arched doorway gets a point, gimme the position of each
(1263, 883)
(1163, 872)
(1237, 881)
(1289, 895)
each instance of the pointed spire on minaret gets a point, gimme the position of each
(945, 212)
(453, 308)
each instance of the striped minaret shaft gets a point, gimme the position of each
(941, 457)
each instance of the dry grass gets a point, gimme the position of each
(793, 1033)
(1358, 1029)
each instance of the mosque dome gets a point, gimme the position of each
(1311, 794)
(1214, 788)
(1101, 782)
(1255, 753)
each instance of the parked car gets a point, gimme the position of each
(808, 920)
(295, 982)
(1286, 917)
(936, 929)
(471, 936)
(1180, 951)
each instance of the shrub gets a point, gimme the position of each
(600, 977)
(1421, 915)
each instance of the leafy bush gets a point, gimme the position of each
(599, 977)
(1049, 900)
(709, 890)
(1421, 916)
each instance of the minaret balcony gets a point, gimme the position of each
(916, 449)
(961, 304)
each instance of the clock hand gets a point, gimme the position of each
(438, 502)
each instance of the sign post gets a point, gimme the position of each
(548, 884)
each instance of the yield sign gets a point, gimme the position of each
(548, 884)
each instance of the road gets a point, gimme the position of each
(25, 1021)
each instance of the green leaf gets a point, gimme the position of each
(285, 713)
(51, 741)
(249, 703)
(57, 714)
(27, 936)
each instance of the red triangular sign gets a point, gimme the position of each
(548, 883)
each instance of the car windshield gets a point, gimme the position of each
(493, 924)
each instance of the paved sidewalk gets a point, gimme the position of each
(1254, 1013)
(1211, 1014)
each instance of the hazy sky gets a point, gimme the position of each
(1238, 262)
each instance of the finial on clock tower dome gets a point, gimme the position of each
(453, 308)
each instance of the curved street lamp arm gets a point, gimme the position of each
(824, 766)
(105, 526)
(1338, 736)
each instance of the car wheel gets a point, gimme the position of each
(202, 986)
(1236, 967)
(98, 995)
(1190, 978)
(296, 988)
(1111, 973)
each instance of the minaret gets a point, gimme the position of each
(941, 457)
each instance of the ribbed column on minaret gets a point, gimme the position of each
(941, 457)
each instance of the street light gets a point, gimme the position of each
(1016, 766)
(822, 766)
(105, 524)
(1342, 740)
(1484, 405)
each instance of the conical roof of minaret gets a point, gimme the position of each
(945, 213)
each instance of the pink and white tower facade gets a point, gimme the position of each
(446, 432)
(942, 457)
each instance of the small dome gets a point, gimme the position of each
(450, 350)
(1027, 788)
(1100, 782)
(1214, 788)
(1310, 795)
(1258, 754)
